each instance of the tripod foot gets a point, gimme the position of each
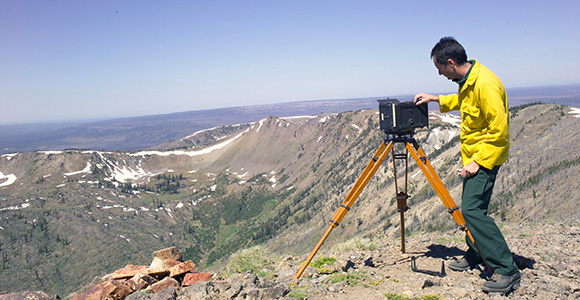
(434, 273)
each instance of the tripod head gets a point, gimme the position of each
(401, 137)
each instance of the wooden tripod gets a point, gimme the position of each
(386, 147)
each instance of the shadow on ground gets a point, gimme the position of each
(443, 252)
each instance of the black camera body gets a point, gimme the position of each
(402, 117)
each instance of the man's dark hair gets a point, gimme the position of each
(449, 48)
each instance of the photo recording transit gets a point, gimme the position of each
(484, 137)
(399, 121)
(482, 101)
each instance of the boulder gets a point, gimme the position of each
(166, 294)
(191, 278)
(182, 268)
(129, 271)
(165, 283)
(116, 290)
(199, 290)
(171, 253)
(140, 281)
(94, 292)
(161, 267)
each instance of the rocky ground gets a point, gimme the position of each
(547, 255)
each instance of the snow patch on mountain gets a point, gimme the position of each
(6, 180)
(9, 156)
(446, 118)
(87, 169)
(261, 122)
(17, 207)
(191, 153)
(120, 173)
(575, 112)
(298, 117)
(125, 174)
(50, 152)
(198, 132)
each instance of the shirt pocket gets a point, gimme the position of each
(471, 117)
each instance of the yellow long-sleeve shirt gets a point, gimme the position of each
(482, 101)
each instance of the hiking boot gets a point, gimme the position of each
(502, 283)
(464, 264)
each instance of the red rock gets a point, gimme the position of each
(167, 282)
(191, 278)
(92, 293)
(129, 271)
(116, 290)
(161, 267)
(108, 289)
(182, 268)
(140, 281)
(171, 253)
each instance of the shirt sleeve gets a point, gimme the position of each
(448, 103)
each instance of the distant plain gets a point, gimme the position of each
(138, 133)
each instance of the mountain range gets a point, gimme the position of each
(138, 133)
(70, 215)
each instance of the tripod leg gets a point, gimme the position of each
(402, 214)
(401, 196)
(437, 184)
(358, 187)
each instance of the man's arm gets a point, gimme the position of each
(471, 168)
(447, 103)
(425, 98)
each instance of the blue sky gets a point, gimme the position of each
(74, 60)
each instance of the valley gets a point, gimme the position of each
(69, 216)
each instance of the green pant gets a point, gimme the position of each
(490, 242)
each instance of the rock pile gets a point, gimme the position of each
(167, 270)
(170, 278)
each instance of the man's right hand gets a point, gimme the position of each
(425, 98)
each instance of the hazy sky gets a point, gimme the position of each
(71, 60)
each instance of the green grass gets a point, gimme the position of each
(321, 265)
(450, 238)
(224, 233)
(353, 278)
(252, 259)
(297, 294)
(297, 291)
(357, 243)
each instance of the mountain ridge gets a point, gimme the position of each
(276, 184)
(138, 133)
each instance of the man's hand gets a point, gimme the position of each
(425, 98)
(469, 170)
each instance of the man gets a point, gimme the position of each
(482, 102)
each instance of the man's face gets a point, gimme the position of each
(448, 70)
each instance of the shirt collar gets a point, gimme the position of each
(462, 81)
